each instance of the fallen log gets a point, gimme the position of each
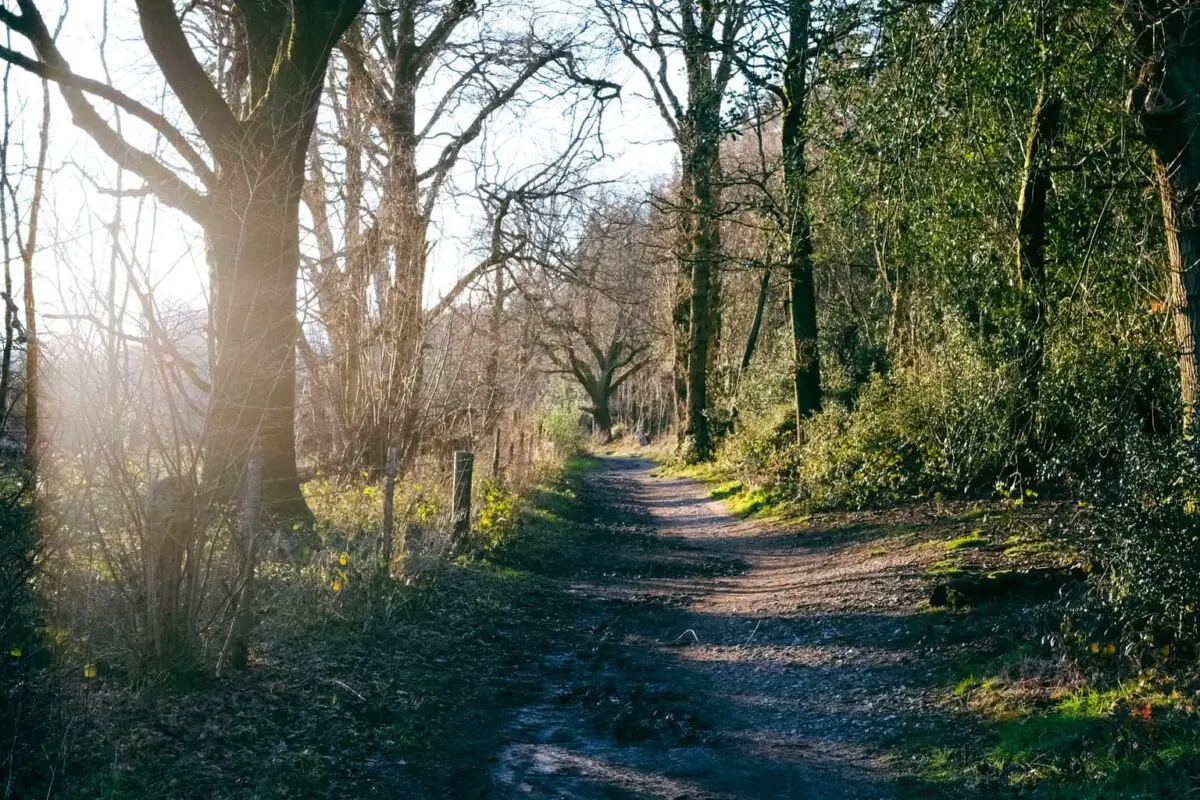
(972, 588)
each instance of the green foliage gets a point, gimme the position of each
(1135, 739)
(350, 507)
(497, 515)
(1146, 529)
(22, 651)
(559, 420)
(1100, 389)
(938, 425)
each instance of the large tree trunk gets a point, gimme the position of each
(254, 246)
(807, 368)
(681, 312)
(1031, 260)
(601, 412)
(1166, 101)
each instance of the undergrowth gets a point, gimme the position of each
(359, 686)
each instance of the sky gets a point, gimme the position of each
(75, 261)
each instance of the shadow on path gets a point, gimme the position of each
(720, 658)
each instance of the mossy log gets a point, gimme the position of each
(1027, 584)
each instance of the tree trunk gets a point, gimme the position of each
(1166, 101)
(760, 307)
(405, 232)
(764, 286)
(703, 267)
(254, 246)
(601, 413)
(801, 287)
(1031, 260)
(681, 312)
(491, 370)
(33, 345)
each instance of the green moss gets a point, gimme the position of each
(973, 539)
(944, 567)
(1131, 740)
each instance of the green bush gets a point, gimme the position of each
(1100, 389)
(1145, 523)
(559, 421)
(496, 517)
(937, 424)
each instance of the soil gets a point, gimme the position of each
(723, 657)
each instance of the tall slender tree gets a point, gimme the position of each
(1166, 103)
(706, 37)
(806, 374)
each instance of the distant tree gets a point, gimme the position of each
(598, 330)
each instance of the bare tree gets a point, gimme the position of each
(598, 327)
(255, 127)
(370, 289)
(17, 333)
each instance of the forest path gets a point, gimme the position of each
(715, 657)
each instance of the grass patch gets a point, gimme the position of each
(1027, 724)
(723, 491)
(973, 539)
(1121, 742)
(741, 500)
(943, 568)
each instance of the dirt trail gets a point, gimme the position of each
(720, 658)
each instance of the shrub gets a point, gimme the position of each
(938, 424)
(22, 658)
(1145, 525)
(559, 421)
(1101, 389)
(497, 514)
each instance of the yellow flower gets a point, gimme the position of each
(344, 559)
(336, 585)
(1109, 649)
(89, 671)
(15, 652)
(1166, 650)
(1095, 647)
(370, 491)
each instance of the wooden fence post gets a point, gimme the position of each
(389, 504)
(496, 453)
(463, 464)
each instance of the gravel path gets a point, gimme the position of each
(722, 658)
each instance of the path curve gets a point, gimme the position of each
(718, 658)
